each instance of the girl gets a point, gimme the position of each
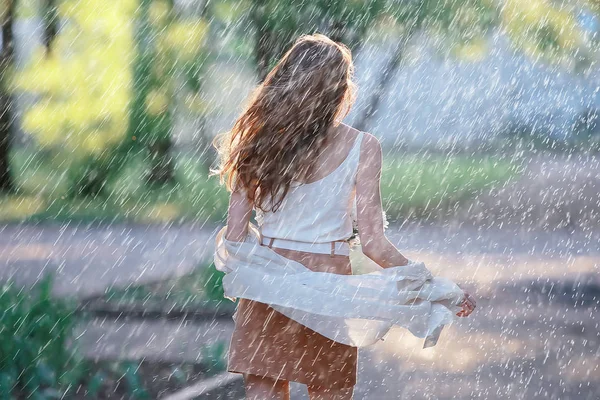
(290, 158)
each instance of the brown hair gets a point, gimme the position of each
(308, 91)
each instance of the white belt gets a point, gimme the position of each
(339, 247)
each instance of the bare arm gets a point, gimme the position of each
(375, 244)
(238, 216)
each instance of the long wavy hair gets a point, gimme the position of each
(285, 123)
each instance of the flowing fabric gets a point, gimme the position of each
(356, 310)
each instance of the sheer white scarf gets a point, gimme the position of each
(356, 310)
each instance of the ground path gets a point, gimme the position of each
(533, 336)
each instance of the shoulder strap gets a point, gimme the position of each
(355, 151)
(356, 154)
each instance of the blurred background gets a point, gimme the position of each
(489, 116)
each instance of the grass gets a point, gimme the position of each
(423, 185)
(42, 189)
(199, 289)
(412, 186)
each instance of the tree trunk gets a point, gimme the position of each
(337, 32)
(162, 165)
(162, 169)
(50, 24)
(263, 42)
(6, 102)
(389, 71)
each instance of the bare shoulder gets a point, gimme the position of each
(370, 156)
(370, 143)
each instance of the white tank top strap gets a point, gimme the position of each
(356, 147)
(355, 154)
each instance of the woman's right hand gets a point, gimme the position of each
(468, 305)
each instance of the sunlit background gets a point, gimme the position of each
(489, 116)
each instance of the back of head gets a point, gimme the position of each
(273, 141)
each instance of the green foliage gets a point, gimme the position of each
(95, 383)
(171, 49)
(587, 126)
(278, 23)
(529, 137)
(38, 359)
(541, 29)
(35, 359)
(197, 197)
(76, 114)
(213, 279)
(43, 193)
(547, 30)
(132, 380)
(199, 289)
(105, 376)
(26, 8)
(461, 27)
(214, 357)
(462, 23)
(80, 121)
(136, 51)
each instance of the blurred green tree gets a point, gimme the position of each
(543, 30)
(547, 31)
(109, 87)
(171, 56)
(276, 24)
(84, 85)
(7, 57)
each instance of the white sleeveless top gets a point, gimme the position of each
(320, 211)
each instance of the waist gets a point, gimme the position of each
(339, 247)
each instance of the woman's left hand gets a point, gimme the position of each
(468, 306)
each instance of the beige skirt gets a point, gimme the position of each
(267, 343)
